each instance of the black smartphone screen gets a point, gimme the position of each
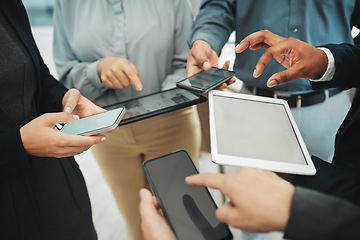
(206, 80)
(190, 210)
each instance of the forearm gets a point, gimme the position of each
(347, 60)
(14, 160)
(314, 215)
(214, 23)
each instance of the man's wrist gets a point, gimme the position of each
(330, 70)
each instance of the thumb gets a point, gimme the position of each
(226, 212)
(61, 117)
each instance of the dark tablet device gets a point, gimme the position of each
(155, 104)
(204, 81)
(190, 210)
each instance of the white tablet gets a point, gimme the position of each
(257, 132)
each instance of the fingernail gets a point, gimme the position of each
(76, 117)
(68, 109)
(141, 193)
(206, 65)
(237, 46)
(273, 83)
(103, 139)
(139, 87)
(255, 72)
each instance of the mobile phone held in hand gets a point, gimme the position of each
(190, 210)
(204, 81)
(95, 124)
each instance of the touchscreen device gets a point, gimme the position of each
(189, 210)
(204, 81)
(95, 124)
(158, 103)
(258, 132)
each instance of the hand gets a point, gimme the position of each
(200, 57)
(74, 102)
(301, 59)
(41, 138)
(117, 72)
(259, 200)
(153, 225)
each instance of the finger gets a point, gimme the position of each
(108, 81)
(199, 54)
(70, 140)
(133, 76)
(226, 65)
(147, 207)
(283, 77)
(69, 151)
(261, 38)
(70, 100)
(211, 180)
(270, 53)
(120, 79)
(226, 213)
(61, 117)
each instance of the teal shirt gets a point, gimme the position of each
(151, 34)
(316, 22)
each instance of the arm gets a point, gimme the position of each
(214, 23)
(318, 216)
(72, 73)
(303, 60)
(183, 21)
(210, 32)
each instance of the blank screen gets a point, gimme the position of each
(205, 79)
(255, 129)
(190, 209)
(93, 122)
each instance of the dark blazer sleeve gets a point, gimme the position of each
(318, 216)
(48, 96)
(347, 62)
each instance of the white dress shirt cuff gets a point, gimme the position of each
(330, 70)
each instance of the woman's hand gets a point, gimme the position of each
(117, 72)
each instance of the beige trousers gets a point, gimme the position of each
(127, 147)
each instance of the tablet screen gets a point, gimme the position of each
(255, 129)
(157, 103)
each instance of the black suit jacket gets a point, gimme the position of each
(342, 177)
(319, 216)
(40, 198)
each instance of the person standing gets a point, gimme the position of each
(43, 194)
(117, 50)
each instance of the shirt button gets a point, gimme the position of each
(295, 30)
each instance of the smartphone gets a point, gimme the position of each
(204, 81)
(95, 124)
(189, 210)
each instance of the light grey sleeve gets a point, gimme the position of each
(214, 23)
(73, 73)
(314, 215)
(183, 23)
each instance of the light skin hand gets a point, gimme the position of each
(153, 225)
(73, 102)
(203, 57)
(118, 73)
(41, 138)
(259, 200)
(301, 59)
